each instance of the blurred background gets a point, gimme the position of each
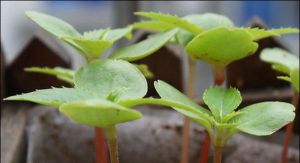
(17, 29)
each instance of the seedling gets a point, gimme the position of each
(213, 39)
(91, 45)
(94, 100)
(287, 64)
(222, 121)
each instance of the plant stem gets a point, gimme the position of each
(186, 124)
(218, 154)
(111, 135)
(101, 152)
(289, 131)
(219, 77)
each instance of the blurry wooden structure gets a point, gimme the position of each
(165, 64)
(2, 62)
(42, 51)
(256, 79)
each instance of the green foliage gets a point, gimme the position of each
(91, 44)
(223, 121)
(144, 48)
(99, 86)
(265, 118)
(221, 46)
(283, 62)
(216, 34)
(61, 73)
(173, 20)
(221, 101)
(99, 113)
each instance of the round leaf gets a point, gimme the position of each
(208, 21)
(265, 118)
(222, 101)
(115, 80)
(221, 46)
(282, 60)
(98, 113)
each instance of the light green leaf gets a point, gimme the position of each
(193, 113)
(263, 33)
(144, 70)
(295, 78)
(285, 78)
(222, 101)
(183, 37)
(221, 46)
(102, 78)
(171, 19)
(52, 24)
(265, 118)
(280, 59)
(98, 113)
(209, 21)
(92, 49)
(61, 73)
(51, 97)
(144, 48)
(168, 92)
(113, 35)
(94, 34)
(205, 21)
(153, 25)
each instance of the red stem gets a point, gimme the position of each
(186, 124)
(101, 150)
(289, 132)
(219, 78)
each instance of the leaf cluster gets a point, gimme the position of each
(210, 37)
(284, 62)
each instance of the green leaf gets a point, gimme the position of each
(144, 70)
(222, 101)
(168, 92)
(183, 37)
(51, 97)
(173, 20)
(281, 60)
(189, 111)
(153, 25)
(209, 21)
(94, 34)
(101, 78)
(295, 78)
(265, 118)
(116, 34)
(285, 78)
(221, 46)
(263, 33)
(144, 48)
(61, 73)
(98, 113)
(92, 49)
(52, 24)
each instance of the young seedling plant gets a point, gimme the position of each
(211, 38)
(288, 64)
(222, 120)
(91, 45)
(94, 100)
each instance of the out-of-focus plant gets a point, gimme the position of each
(288, 64)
